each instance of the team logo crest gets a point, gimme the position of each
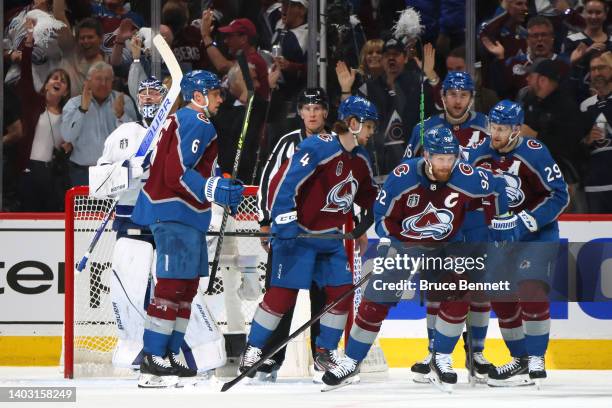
(123, 143)
(533, 144)
(203, 118)
(339, 168)
(413, 200)
(340, 197)
(431, 223)
(326, 137)
(401, 169)
(466, 169)
(513, 190)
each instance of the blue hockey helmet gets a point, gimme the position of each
(358, 107)
(198, 80)
(440, 141)
(507, 112)
(458, 80)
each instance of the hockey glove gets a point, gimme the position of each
(285, 229)
(527, 225)
(138, 165)
(504, 229)
(224, 191)
(250, 288)
(384, 244)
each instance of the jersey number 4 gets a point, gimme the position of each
(304, 160)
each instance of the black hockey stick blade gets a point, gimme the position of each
(296, 333)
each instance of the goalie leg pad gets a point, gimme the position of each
(368, 321)
(276, 302)
(132, 262)
(511, 327)
(204, 346)
(449, 326)
(333, 322)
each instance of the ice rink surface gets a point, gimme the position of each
(563, 388)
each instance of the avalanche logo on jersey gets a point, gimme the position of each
(431, 223)
(532, 144)
(326, 137)
(513, 190)
(401, 169)
(466, 169)
(340, 197)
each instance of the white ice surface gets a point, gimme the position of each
(563, 389)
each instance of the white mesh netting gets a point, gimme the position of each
(94, 324)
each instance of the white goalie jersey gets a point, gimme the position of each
(121, 145)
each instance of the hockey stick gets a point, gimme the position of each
(470, 350)
(296, 333)
(150, 137)
(246, 75)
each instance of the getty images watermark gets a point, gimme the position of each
(404, 265)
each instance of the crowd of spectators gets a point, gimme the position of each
(72, 69)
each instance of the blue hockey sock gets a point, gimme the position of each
(331, 328)
(263, 325)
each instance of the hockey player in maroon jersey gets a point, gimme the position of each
(175, 203)
(311, 193)
(468, 127)
(424, 200)
(538, 195)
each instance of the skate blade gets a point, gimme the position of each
(538, 384)
(251, 376)
(154, 381)
(352, 380)
(197, 381)
(521, 381)
(265, 378)
(317, 377)
(420, 378)
(478, 379)
(442, 386)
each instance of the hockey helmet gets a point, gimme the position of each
(440, 141)
(358, 107)
(198, 80)
(458, 80)
(313, 96)
(507, 112)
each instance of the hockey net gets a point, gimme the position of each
(89, 325)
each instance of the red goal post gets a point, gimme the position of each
(89, 326)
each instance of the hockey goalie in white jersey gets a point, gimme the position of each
(133, 260)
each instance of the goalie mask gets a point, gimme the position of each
(150, 94)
